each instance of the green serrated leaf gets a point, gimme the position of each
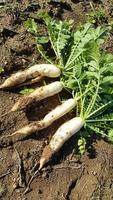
(42, 39)
(107, 80)
(45, 16)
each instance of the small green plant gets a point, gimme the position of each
(82, 145)
(1, 69)
(31, 26)
(97, 15)
(26, 91)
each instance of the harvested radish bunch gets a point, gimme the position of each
(94, 108)
(84, 70)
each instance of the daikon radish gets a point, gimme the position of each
(39, 70)
(64, 132)
(55, 114)
(37, 95)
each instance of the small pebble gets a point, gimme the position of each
(44, 175)
(94, 173)
(11, 98)
(46, 142)
(5, 62)
(23, 61)
(15, 184)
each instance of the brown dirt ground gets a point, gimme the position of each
(68, 177)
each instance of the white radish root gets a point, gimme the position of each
(39, 70)
(20, 134)
(38, 95)
(59, 111)
(55, 114)
(64, 132)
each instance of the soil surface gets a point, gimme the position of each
(68, 176)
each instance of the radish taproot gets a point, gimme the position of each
(39, 70)
(52, 116)
(64, 132)
(38, 95)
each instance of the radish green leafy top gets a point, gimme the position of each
(87, 70)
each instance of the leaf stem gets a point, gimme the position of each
(93, 100)
(100, 110)
(99, 120)
(58, 40)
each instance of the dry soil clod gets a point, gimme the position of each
(20, 170)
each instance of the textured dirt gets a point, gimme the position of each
(68, 176)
